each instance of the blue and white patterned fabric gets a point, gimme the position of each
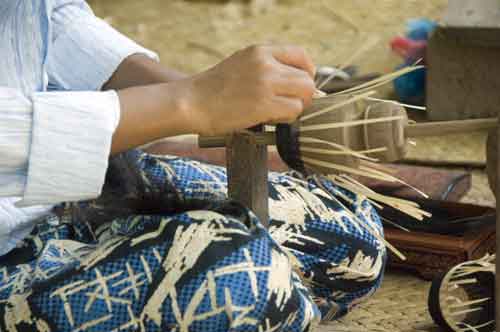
(207, 265)
(46, 46)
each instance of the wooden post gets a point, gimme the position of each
(462, 62)
(247, 173)
(497, 267)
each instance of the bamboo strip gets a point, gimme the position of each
(371, 87)
(368, 227)
(477, 327)
(385, 78)
(421, 108)
(468, 303)
(349, 123)
(409, 210)
(398, 200)
(462, 312)
(395, 224)
(468, 272)
(341, 168)
(420, 192)
(465, 282)
(359, 154)
(334, 153)
(319, 94)
(377, 205)
(402, 205)
(336, 106)
(326, 191)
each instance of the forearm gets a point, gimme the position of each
(139, 70)
(151, 108)
(152, 112)
(256, 85)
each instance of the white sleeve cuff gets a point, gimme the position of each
(71, 143)
(87, 51)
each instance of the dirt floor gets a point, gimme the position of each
(193, 35)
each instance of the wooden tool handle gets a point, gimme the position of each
(441, 128)
(265, 138)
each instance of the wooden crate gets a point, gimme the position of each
(463, 77)
(457, 232)
(433, 254)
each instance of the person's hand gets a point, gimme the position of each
(258, 85)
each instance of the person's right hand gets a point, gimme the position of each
(258, 85)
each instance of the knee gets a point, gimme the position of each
(225, 274)
(255, 288)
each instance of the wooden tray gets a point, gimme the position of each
(432, 253)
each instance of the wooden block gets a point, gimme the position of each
(247, 174)
(463, 80)
(497, 266)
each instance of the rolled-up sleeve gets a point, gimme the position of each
(86, 50)
(55, 145)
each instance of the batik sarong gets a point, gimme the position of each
(207, 266)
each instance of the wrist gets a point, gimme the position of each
(191, 105)
(179, 107)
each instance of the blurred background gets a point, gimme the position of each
(192, 35)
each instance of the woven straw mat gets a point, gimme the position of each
(400, 305)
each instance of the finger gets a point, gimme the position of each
(294, 83)
(285, 110)
(295, 57)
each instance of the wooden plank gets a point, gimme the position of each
(264, 138)
(247, 174)
(442, 128)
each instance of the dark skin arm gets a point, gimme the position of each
(138, 70)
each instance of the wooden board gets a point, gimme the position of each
(247, 174)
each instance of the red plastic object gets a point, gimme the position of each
(411, 50)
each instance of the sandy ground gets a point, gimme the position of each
(193, 35)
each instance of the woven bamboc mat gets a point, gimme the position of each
(400, 305)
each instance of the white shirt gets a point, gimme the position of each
(55, 124)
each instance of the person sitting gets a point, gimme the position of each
(97, 235)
